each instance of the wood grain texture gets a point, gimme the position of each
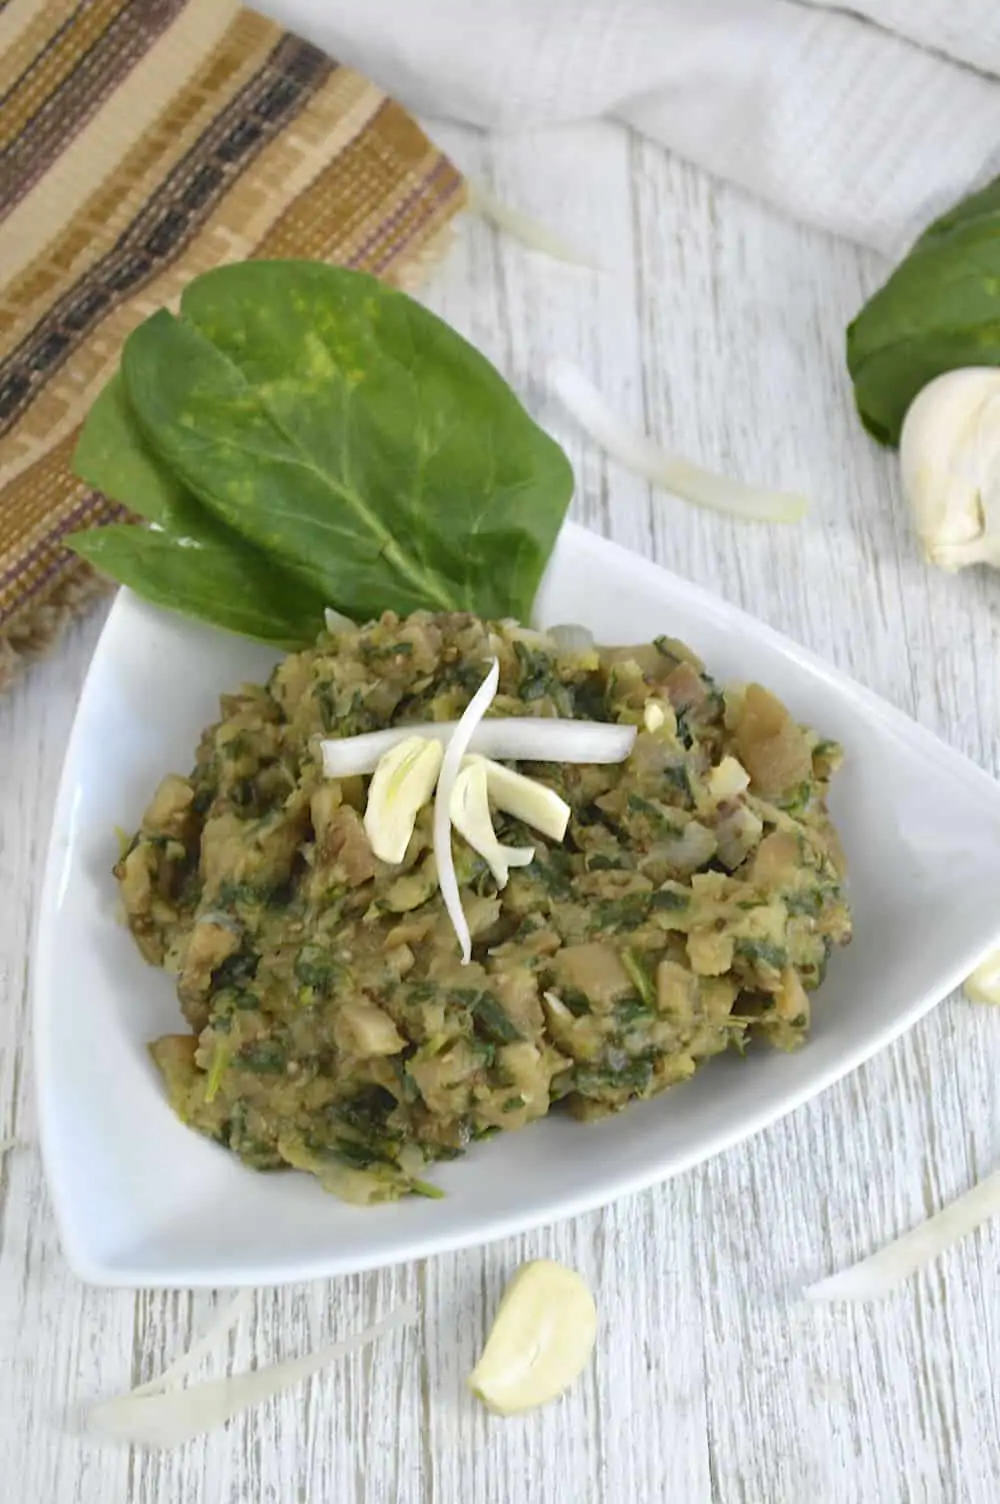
(719, 326)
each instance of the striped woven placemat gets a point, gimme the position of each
(142, 142)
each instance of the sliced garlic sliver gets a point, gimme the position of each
(525, 799)
(542, 1337)
(458, 745)
(401, 785)
(470, 814)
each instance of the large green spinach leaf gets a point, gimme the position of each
(112, 455)
(347, 434)
(939, 310)
(188, 560)
(212, 583)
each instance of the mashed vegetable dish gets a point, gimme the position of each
(692, 906)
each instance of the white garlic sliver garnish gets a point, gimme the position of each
(526, 799)
(470, 815)
(401, 785)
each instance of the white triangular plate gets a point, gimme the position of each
(142, 1201)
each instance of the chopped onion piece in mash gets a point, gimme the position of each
(728, 780)
(571, 638)
(336, 621)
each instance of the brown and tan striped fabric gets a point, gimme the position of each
(142, 142)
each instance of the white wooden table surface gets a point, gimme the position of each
(720, 327)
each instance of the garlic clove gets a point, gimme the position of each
(401, 785)
(470, 814)
(949, 453)
(526, 799)
(983, 986)
(541, 1339)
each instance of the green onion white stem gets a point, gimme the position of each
(672, 472)
(170, 1419)
(897, 1261)
(514, 738)
(524, 228)
(458, 745)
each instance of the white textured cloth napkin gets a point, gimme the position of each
(867, 123)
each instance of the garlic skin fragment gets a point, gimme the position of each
(949, 455)
(470, 815)
(401, 785)
(541, 1339)
(983, 986)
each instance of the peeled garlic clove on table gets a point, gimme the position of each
(540, 1342)
(949, 454)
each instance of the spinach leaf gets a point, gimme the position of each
(190, 562)
(939, 310)
(349, 433)
(488, 1016)
(268, 1057)
(208, 584)
(112, 455)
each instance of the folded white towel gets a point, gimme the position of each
(866, 123)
